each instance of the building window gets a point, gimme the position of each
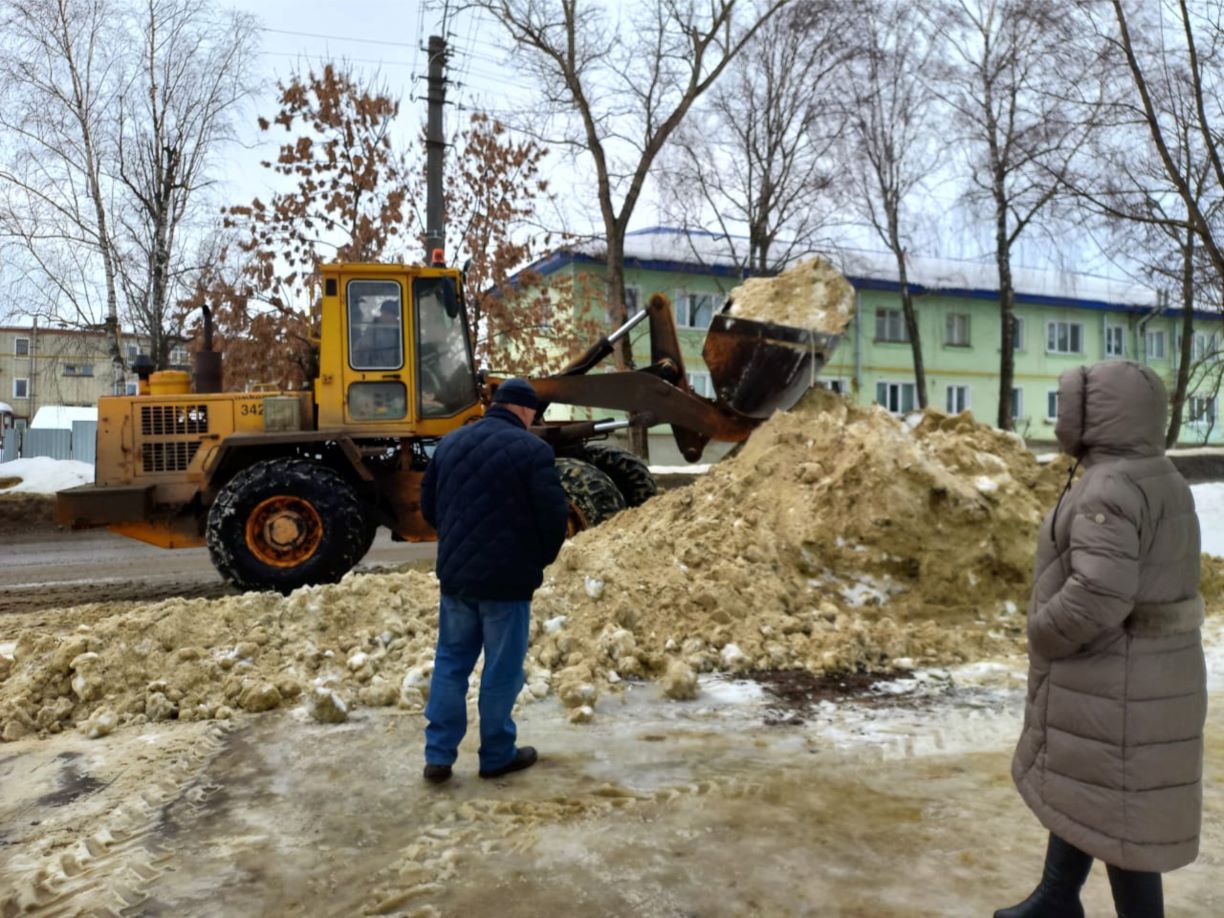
(890, 326)
(1052, 405)
(133, 351)
(21, 347)
(1202, 409)
(1064, 337)
(1205, 346)
(131, 388)
(1115, 341)
(958, 399)
(1154, 342)
(1017, 333)
(897, 398)
(696, 310)
(956, 330)
(78, 369)
(21, 388)
(834, 384)
(179, 356)
(633, 301)
(1017, 402)
(699, 382)
(547, 310)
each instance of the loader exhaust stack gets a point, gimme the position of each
(206, 363)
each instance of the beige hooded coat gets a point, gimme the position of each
(1111, 755)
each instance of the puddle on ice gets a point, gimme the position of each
(899, 804)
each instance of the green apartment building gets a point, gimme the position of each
(1062, 320)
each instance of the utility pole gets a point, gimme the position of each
(435, 149)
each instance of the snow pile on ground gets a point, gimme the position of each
(813, 295)
(41, 475)
(839, 538)
(193, 659)
(1209, 502)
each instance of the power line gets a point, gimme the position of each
(348, 60)
(363, 41)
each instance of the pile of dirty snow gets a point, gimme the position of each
(838, 538)
(365, 640)
(811, 295)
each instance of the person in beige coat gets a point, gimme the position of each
(1111, 755)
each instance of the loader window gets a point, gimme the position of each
(446, 382)
(377, 401)
(375, 325)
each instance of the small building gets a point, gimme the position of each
(67, 367)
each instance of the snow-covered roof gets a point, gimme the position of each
(6, 408)
(661, 243)
(962, 275)
(668, 248)
(60, 417)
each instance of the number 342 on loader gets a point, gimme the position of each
(288, 488)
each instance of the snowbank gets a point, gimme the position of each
(1209, 501)
(41, 475)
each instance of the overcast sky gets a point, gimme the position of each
(386, 36)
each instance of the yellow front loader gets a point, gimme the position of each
(288, 488)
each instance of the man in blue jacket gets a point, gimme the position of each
(493, 494)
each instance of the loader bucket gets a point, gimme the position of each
(758, 368)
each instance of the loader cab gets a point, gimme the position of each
(396, 354)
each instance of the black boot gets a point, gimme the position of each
(1057, 896)
(1136, 893)
(524, 757)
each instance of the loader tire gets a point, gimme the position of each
(285, 523)
(367, 539)
(593, 496)
(630, 473)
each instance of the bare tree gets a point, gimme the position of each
(1158, 170)
(619, 89)
(1143, 217)
(1198, 65)
(1011, 79)
(175, 112)
(112, 110)
(61, 77)
(755, 160)
(891, 147)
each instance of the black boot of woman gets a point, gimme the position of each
(1058, 894)
(1136, 894)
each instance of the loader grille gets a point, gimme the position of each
(174, 456)
(173, 420)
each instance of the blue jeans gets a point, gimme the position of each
(464, 627)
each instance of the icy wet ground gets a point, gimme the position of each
(898, 803)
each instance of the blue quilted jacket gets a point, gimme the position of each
(493, 494)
